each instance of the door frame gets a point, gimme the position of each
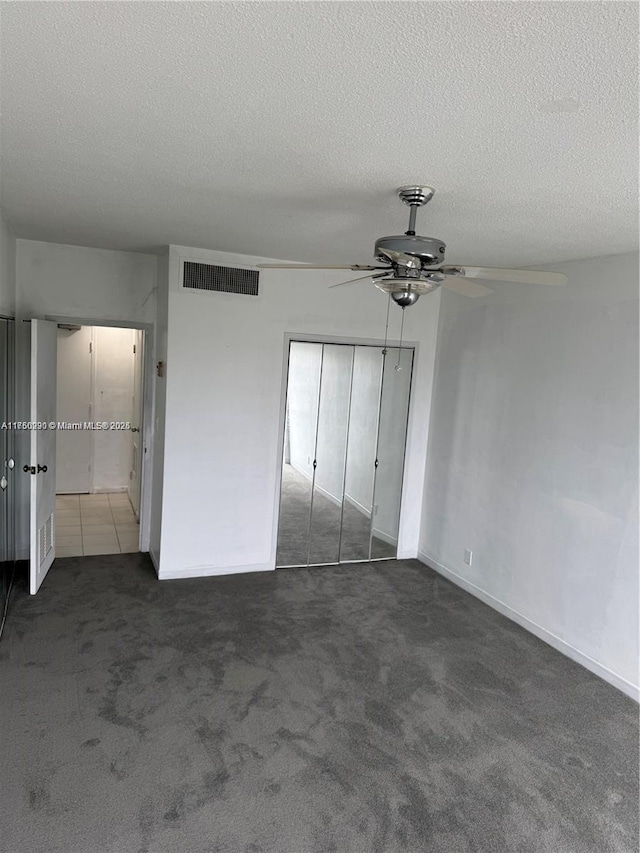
(303, 337)
(148, 408)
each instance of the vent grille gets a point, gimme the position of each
(221, 279)
(45, 540)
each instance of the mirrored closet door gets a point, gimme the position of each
(343, 460)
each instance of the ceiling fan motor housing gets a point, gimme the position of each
(429, 250)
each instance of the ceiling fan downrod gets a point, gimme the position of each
(415, 197)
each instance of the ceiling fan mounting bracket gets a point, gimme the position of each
(416, 196)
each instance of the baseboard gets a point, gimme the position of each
(379, 534)
(212, 571)
(322, 491)
(542, 633)
(385, 537)
(356, 505)
(334, 500)
(155, 561)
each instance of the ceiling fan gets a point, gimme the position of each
(412, 265)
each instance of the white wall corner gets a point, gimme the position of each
(632, 690)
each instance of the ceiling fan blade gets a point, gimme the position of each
(361, 278)
(312, 267)
(465, 287)
(499, 274)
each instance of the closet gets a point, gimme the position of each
(344, 444)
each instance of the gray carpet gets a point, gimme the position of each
(327, 546)
(349, 709)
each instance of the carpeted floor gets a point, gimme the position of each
(349, 709)
(326, 544)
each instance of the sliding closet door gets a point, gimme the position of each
(392, 436)
(331, 452)
(361, 454)
(301, 420)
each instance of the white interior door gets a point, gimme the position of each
(137, 443)
(42, 470)
(74, 447)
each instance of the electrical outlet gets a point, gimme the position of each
(468, 556)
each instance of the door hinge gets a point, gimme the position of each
(90, 346)
(134, 349)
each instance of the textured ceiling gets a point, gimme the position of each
(283, 129)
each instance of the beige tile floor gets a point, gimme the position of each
(95, 524)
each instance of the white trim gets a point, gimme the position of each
(328, 495)
(209, 571)
(544, 634)
(155, 561)
(300, 471)
(322, 491)
(385, 537)
(357, 505)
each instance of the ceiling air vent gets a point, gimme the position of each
(197, 276)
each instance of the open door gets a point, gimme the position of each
(137, 443)
(42, 469)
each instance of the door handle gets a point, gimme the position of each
(11, 464)
(31, 469)
(3, 483)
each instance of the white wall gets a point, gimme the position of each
(113, 401)
(333, 419)
(72, 282)
(7, 268)
(74, 397)
(225, 378)
(302, 404)
(533, 458)
(396, 390)
(363, 426)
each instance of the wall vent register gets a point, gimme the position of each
(198, 276)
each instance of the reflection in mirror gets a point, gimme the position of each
(343, 459)
(361, 454)
(331, 450)
(305, 360)
(394, 409)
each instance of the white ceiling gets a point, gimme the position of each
(283, 129)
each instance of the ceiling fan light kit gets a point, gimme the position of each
(413, 266)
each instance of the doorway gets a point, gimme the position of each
(99, 410)
(346, 417)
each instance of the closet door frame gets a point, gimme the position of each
(292, 337)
